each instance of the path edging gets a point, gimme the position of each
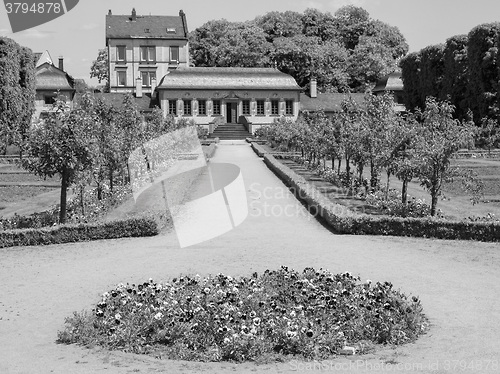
(344, 221)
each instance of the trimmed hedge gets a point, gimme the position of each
(132, 227)
(344, 221)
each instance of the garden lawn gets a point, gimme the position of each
(454, 202)
(458, 283)
(25, 193)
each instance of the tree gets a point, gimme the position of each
(130, 126)
(305, 57)
(305, 45)
(378, 121)
(431, 71)
(402, 160)
(455, 74)
(410, 69)
(280, 24)
(223, 43)
(17, 92)
(99, 68)
(352, 22)
(321, 25)
(243, 45)
(368, 62)
(439, 137)
(58, 146)
(489, 133)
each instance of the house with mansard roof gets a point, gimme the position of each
(393, 84)
(142, 49)
(51, 83)
(254, 96)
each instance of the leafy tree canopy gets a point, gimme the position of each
(330, 47)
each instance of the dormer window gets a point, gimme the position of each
(146, 30)
(170, 30)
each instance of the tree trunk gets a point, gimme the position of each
(361, 166)
(340, 164)
(64, 192)
(373, 176)
(348, 170)
(434, 201)
(99, 191)
(333, 161)
(128, 174)
(387, 186)
(82, 200)
(111, 180)
(404, 191)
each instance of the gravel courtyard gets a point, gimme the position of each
(457, 281)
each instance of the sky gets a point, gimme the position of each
(79, 34)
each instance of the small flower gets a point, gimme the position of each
(206, 290)
(293, 314)
(158, 316)
(118, 316)
(253, 314)
(256, 321)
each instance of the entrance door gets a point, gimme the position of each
(231, 112)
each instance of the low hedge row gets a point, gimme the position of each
(344, 221)
(258, 149)
(132, 227)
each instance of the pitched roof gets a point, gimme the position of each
(389, 82)
(328, 102)
(115, 99)
(42, 58)
(155, 27)
(49, 77)
(226, 78)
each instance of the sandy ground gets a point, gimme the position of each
(458, 283)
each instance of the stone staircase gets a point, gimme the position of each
(230, 131)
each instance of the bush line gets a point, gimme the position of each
(344, 221)
(132, 227)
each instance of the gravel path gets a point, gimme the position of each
(458, 283)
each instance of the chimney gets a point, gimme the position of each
(153, 86)
(109, 13)
(138, 87)
(313, 88)
(184, 22)
(134, 15)
(61, 63)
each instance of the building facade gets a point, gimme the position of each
(52, 83)
(142, 49)
(235, 95)
(393, 84)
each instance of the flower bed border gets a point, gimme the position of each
(344, 221)
(132, 227)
